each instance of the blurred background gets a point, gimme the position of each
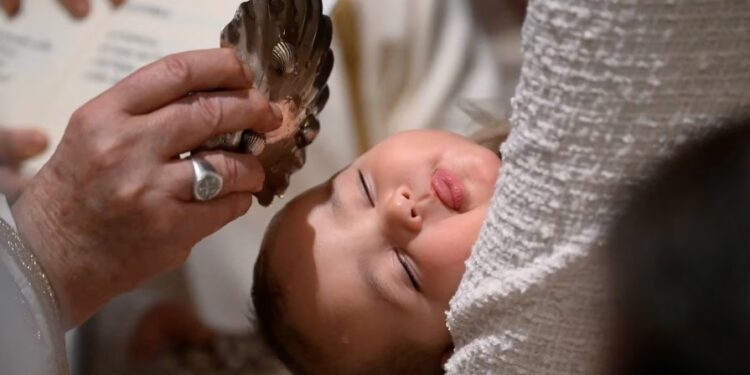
(449, 64)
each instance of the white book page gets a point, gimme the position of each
(36, 51)
(138, 33)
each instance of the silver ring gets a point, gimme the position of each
(207, 183)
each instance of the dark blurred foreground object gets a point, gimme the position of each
(680, 259)
(171, 339)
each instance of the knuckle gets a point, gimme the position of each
(103, 150)
(177, 68)
(258, 101)
(107, 154)
(259, 105)
(162, 224)
(209, 111)
(82, 116)
(129, 194)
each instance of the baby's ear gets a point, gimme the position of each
(447, 354)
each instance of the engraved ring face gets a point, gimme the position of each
(207, 183)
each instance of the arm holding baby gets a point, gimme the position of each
(602, 97)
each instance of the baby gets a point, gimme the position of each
(355, 275)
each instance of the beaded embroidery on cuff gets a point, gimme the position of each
(28, 262)
(37, 291)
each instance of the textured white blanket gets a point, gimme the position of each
(608, 87)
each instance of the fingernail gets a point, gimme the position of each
(80, 9)
(277, 114)
(11, 8)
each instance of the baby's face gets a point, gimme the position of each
(373, 256)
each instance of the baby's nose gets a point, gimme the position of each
(402, 213)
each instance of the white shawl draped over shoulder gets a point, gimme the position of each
(608, 87)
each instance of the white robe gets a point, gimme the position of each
(607, 88)
(31, 341)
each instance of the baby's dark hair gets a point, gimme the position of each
(301, 354)
(680, 262)
(268, 308)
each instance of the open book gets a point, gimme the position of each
(51, 64)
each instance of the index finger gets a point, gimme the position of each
(175, 76)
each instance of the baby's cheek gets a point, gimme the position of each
(448, 253)
(443, 272)
(448, 244)
(440, 252)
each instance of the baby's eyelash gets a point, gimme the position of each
(364, 185)
(409, 271)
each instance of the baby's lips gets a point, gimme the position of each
(449, 188)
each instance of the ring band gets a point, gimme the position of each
(207, 183)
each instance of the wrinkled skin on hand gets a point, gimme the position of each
(17, 146)
(113, 207)
(76, 8)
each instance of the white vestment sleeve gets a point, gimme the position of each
(607, 88)
(31, 339)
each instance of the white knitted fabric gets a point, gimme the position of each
(607, 89)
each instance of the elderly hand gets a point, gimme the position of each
(17, 146)
(114, 206)
(77, 8)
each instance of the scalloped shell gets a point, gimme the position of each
(254, 143)
(284, 57)
(308, 131)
